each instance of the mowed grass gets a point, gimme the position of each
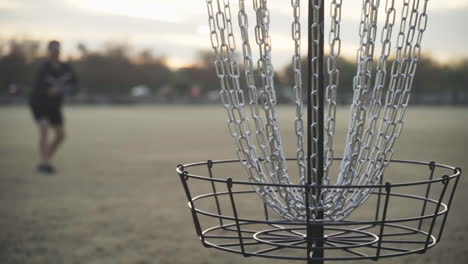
(117, 198)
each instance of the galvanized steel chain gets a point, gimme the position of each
(269, 150)
(315, 83)
(223, 44)
(316, 27)
(375, 105)
(297, 89)
(267, 93)
(251, 86)
(397, 96)
(374, 109)
(334, 40)
(361, 85)
(402, 75)
(268, 96)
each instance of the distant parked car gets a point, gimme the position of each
(140, 91)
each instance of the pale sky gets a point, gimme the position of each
(178, 29)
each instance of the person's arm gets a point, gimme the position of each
(72, 82)
(40, 85)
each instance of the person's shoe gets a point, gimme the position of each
(46, 169)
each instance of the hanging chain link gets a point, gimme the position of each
(402, 75)
(272, 150)
(397, 97)
(334, 42)
(227, 71)
(375, 105)
(361, 85)
(297, 89)
(251, 86)
(267, 92)
(314, 72)
(374, 110)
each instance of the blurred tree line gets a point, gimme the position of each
(114, 70)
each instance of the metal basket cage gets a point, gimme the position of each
(399, 219)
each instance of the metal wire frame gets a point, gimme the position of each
(268, 237)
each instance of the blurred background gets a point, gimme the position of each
(148, 100)
(159, 51)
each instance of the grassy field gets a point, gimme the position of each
(117, 198)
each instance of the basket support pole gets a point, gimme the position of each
(315, 230)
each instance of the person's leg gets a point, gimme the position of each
(59, 137)
(44, 148)
(39, 112)
(43, 127)
(56, 122)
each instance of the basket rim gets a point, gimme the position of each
(456, 173)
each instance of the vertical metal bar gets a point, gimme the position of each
(312, 132)
(265, 210)
(379, 198)
(388, 188)
(236, 217)
(321, 101)
(196, 222)
(434, 218)
(458, 172)
(209, 164)
(428, 190)
(309, 92)
(315, 230)
(309, 232)
(309, 129)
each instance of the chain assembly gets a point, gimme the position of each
(381, 87)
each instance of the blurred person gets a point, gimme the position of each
(54, 80)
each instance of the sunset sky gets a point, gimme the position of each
(178, 29)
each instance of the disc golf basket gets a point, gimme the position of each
(312, 213)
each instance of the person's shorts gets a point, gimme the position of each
(51, 113)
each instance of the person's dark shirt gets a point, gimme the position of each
(48, 76)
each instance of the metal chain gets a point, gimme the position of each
(227, 70)
(251, 86)
(398, 95)
(334, 40)
(268, 96)
(374, 110)
(297, 90)
(267, 93)
(361, 83)
(375, 105)
(314, 72)
(272, 170)
(403, 71)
